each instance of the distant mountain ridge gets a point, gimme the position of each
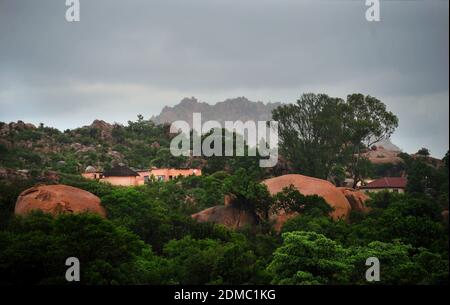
(233, 109)
(229, 110)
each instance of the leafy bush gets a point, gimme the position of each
(35, 248)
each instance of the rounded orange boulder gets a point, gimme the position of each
(312, 186)
(356, 198)
(309, 186)
(58, 199)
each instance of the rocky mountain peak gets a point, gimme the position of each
(232, 109)
(100, 124)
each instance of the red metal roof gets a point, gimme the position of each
(387, 182)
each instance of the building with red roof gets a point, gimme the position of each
(390, 184)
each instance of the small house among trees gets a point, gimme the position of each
(125, 176)
(390, 184)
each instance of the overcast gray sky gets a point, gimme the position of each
(130, 57)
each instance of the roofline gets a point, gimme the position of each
(382, 187)
(145, 170)
(178, 168)
(132, 173)
(106, 176)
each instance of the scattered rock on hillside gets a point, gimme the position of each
(431, 161)
(14, 127)
(49, 175)
(5, 143)
(380, 155)
(14, 174)
(90, 169)
(155, 144)
(104, 128)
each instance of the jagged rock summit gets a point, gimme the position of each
(234, 109)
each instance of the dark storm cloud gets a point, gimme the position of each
(131, 57)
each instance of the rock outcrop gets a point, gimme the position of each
(356, 198)
(312, 186)
(234, 109)
(342, 200)
(308, 186)
(15, 126)
(104, 129)
(381, 155)
(226, 215)
(14, 174)
(57, 199)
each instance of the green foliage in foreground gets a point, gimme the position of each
(150, 238)
(34, 250)
(310, 258)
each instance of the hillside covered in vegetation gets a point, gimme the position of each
(149, 236)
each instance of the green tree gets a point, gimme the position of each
(424, 152)
(134, 209)
(319, 133)
(335, 230)
(193, 260)
(400, 264)
(248, 193)
(311, 133)
(291, 200)
(34, 250)
(237, 265)
(367, 122)
(309, 258)
(411, 219)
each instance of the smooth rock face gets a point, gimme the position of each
(227, 215)
(356, 198)
(308, 186)
(313, 186)
(57, 199)
(341, 199)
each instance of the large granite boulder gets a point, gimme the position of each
(312, 186)
(356, 198)
(227, 215)
(342, 200)
(308, 186)
(57, 199)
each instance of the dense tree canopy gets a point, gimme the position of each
(320, 133)
(149, 236)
